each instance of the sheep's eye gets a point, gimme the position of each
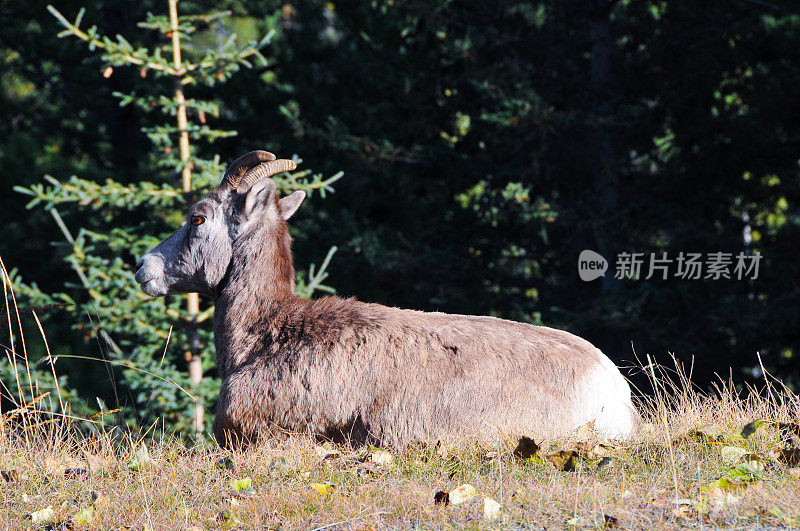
(197, 220)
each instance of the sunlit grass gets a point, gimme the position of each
(688, 464)
(649, 482)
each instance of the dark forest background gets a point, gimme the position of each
(484, 145)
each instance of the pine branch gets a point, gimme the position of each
(167, 105)
(316, 278)
(121, 52)
(89, 193)
(162, 23)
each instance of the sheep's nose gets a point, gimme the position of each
(140, 262)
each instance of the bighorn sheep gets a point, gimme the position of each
(339, 367)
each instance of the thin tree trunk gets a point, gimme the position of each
(192, 299)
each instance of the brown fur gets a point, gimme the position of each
(339, 367)
(343, 368)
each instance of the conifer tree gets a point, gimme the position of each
(159, 351)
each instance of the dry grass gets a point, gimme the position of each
(650, 482)
(667, 476)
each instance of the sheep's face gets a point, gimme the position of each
(196, 257)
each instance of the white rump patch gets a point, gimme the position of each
(607, 401)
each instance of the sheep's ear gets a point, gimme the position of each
(259, 194)
(291, 203)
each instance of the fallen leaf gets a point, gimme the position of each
(243, 486)
(279, 467)
(771, 513)
(526, 448)
(789, 455)
(441, 498)
(367, 469)
(789, 428)
(706, 433)
(322, 488)
(579, 521)
(99, 499)
(140, 458)
(226, 463)
(563, 460)
(45, 516)
(382, 458)
(751, 427)
(75, 472)
(67, 505)
(83, 517)
(326, 451)
(583, 448)
(443, 450)
(738, 477)
(749, 471)
(604, 463)
(725, 483)
(228, 518)
(462, 493)
(732, 454)
(492, 510)
(680, 508)
(719, 497)
(9, 476)
(785, 455)
(595, 451)
(233, 502)
(454, 466)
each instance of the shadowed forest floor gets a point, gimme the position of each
(697, 461)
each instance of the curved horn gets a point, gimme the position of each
(235, 172)
(267, 169)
